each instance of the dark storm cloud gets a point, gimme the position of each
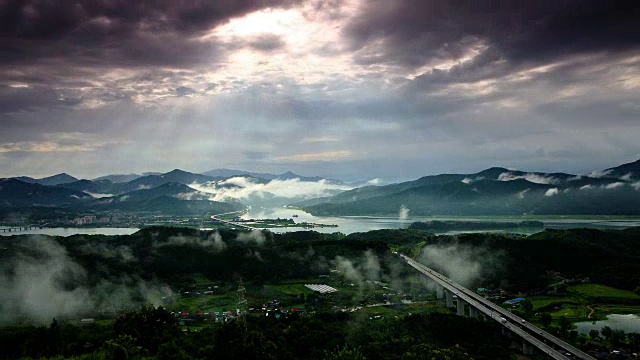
(126, 32)
(415, 32)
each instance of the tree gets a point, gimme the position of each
(121, 348)
(428, 352)
(594, 334)
(545, 319)
(527, 307)
(565, 324)
(150, 326)
(344, 354)
(606, 332)
(617, 337)
(634, 339)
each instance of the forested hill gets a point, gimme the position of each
(173, 255)
(87, 274)
(494, 191)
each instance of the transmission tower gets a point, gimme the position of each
(241, 303)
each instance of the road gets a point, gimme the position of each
(215, 218)
(527, 331)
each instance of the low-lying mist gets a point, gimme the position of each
(244, 188)
(42, 282)
(462, 263)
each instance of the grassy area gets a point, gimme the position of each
(290, 289)
(571, 312)
(575, 306)
(601, 291)
(201, 280)
(206, 303)
(542, 301)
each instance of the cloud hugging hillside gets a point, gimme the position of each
(494, 191)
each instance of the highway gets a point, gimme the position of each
(215, 218)
(527, 331)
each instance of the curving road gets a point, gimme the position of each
(215, 218)
(531, 333)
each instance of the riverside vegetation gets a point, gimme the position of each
(112, 278)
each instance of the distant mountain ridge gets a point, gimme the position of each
(58, 179)
(170, 193)
(119, 178)
(629, 171)
(18, 193)
(494, 191)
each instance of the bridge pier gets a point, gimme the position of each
(473, 312)
(527, 348)
(506, 332)
(439, 292)
(460, 306)
(448, 298)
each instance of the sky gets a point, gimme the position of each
(347, 89)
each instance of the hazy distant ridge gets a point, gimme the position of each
(495, 191)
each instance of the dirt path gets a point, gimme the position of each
(591, 311)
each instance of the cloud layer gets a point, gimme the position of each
(248, 189)
(350, 89)
(44, 282)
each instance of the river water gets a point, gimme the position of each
(351, 224)
(629, 323)
(72, 231)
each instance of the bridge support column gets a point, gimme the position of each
(448, 298)
(473, 312)
(460, 306)
(439, 292)
(527, 348)
(506, 331)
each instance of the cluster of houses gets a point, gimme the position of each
(93, 219)
(491, 294)
(272, 308)
(188, 318)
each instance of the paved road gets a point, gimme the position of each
(527, 331)
(232, 223)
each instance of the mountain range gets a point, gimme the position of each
(171, 193)
(494, 191)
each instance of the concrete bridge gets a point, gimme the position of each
(532, 336)
(21, 228)
(214, 218)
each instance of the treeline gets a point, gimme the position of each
(526, 263)
(173, 255)
(153, 333)
(437, 225)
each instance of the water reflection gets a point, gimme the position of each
(350, 224)
(72, 231)
(629, 323)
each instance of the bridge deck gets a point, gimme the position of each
(527, 331)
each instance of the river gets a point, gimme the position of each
(629, 323)
(351, 224)
(72, 231)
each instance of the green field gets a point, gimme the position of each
(601, 291)
(206, 303)
(581, 298)
(542, 301)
